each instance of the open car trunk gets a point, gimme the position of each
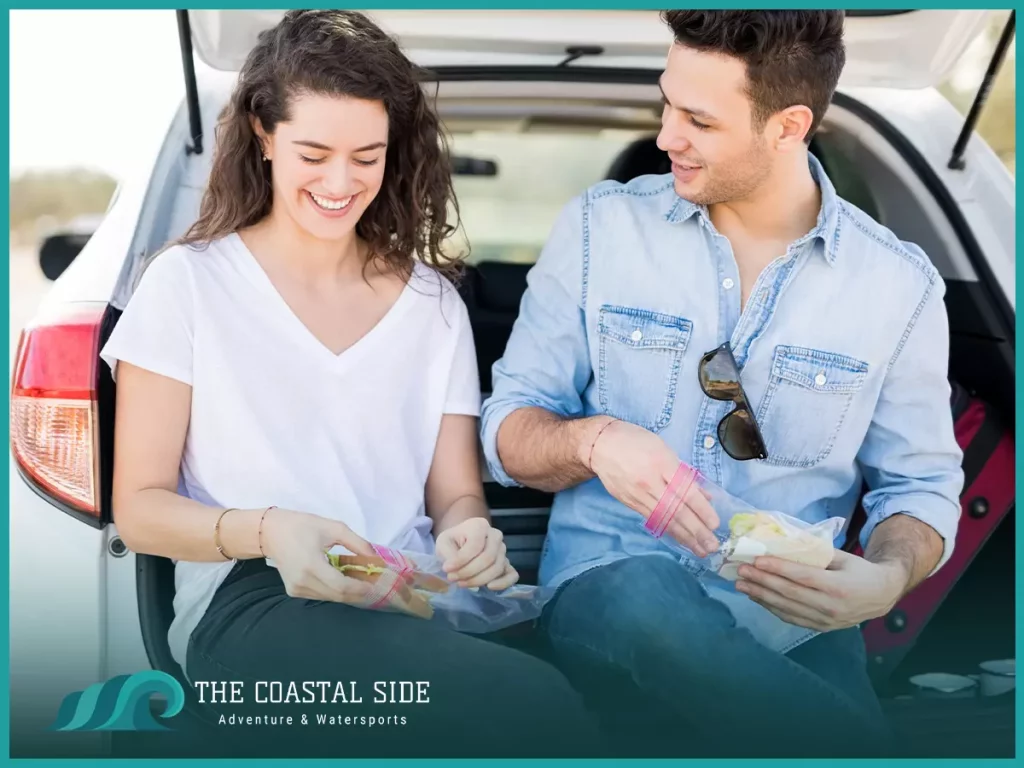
(901, 49)
(612, 114)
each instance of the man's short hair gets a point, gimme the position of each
(791, 57)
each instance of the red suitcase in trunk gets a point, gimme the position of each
(989, 493)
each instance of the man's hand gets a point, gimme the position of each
(850, 591)
(636, 466)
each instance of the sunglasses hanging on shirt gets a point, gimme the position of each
(737, 431)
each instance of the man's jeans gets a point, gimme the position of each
(669, 667)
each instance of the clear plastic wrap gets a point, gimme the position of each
(744, 532)
(416, 584)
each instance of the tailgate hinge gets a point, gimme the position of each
(574, 52)
(956, 161)
(191, 92)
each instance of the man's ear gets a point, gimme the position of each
(790, 127)
(261, 135)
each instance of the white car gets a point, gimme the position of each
(539, 106)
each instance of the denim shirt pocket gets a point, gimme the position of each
(640, 355)
(806, 401)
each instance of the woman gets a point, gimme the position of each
(290, 379)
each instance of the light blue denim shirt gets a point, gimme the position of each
(843, 348)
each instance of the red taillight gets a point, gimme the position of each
(54, 428)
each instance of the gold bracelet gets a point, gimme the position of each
(259, 535)
(216, 533)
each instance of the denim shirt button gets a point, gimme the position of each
(728, 283)
(637, 335)
(709, 442)
(820, 379)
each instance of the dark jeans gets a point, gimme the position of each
(485, 699)
(672, 671)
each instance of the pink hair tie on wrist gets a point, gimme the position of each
(676, 490)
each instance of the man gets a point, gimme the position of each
(837, 341)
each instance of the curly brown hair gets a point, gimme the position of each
(336, 53)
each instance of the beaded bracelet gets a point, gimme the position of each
(590, 460)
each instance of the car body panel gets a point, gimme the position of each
(58, 603)
(985, 189)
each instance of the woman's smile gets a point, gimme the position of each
(331, 207)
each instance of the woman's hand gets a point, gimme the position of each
(471, 551)
(473, 555)
(297, 543)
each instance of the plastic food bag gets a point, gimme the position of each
(416, 584)
(744, 532)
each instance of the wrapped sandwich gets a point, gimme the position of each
(399, 588)
(416, 584)
(757, 533)
(745, 532)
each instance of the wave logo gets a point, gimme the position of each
(120, 704)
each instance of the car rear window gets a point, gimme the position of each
(507, 216)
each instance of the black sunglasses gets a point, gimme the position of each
(737, 432)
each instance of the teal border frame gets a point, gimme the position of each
(435, 5)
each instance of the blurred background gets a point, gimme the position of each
(80, 120)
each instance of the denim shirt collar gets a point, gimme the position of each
(826, 229)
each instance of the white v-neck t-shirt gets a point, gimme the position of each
(278, 419)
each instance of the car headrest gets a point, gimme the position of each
(640, 158)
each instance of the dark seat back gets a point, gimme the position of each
(492, 291)
(640, 158)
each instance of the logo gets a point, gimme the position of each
(120, 704)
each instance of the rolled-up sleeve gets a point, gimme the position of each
(547, 361)
(910, 457)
